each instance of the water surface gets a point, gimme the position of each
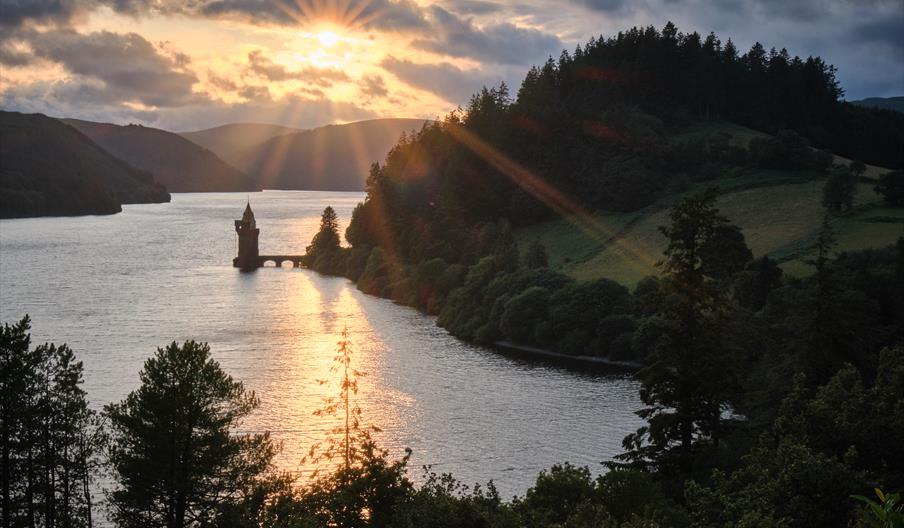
(116, 287)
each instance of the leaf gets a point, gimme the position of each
(880, 513)
(880, 495)
(862, 499)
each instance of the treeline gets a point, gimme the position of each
(756, 386)
(762, 417)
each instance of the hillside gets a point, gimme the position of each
(330, 158)
(886, 103)
(779, 211)
(48, 168)
(228, 140)
(173, 160)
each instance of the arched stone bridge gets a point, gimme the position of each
(279, 259)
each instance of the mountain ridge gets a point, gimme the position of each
(230, 138)
(51, 169)
(319, 160)
(178, 163)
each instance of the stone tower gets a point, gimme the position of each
(248, 232)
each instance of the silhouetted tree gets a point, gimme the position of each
(367, 486)
(327, 238)
(173, 453)
(891, 187)
(753, 286)
(48, 435)
(535, 256)
(691, 378)
(838, 193)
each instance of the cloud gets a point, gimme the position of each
(390, 15)
(607, 6)
(472, 7)
(15, 13)
(500, 43)
(888, 30)
(263, 67)
(443, 79)
(373, 86)
(293, 111)
(123, 67)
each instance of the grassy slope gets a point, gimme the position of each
(779, 212)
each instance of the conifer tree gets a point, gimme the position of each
(690, 379)
(175, 458)
(48, 435)
(327, 238)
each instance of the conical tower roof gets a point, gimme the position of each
(248, 215)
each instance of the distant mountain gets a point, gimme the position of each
(227, 140)
(887, 103)
(48, 168)
(330, 158)
(173, 160)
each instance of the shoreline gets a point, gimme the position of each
(529, 352)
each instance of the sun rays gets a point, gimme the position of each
(344, 15)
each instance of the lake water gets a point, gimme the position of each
(116, 287)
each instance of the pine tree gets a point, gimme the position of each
(535, 256)
(690, 379)
(48, 436)
(327, 238)
(174, 456)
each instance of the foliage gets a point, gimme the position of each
(690, 380)
(174, 457)
(327, 238)
(347, 437)
(49, 438)
(891, 187)
(838, 193)
(535, 256)
(888, 511)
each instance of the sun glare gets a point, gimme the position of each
(328, 38)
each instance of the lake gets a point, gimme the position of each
(117, 287)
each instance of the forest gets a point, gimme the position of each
(769, 400)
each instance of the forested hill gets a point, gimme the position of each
(770, 394)
(48, 168)
(330, 158)
(888, 103)
(600, 129)
(173, 160)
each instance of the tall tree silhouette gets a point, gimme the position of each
(690, 379)
(173, 454)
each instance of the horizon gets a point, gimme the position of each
(310, 64)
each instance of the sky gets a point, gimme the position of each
(192, 64)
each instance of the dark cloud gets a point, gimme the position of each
(445, 80)
(373, 86)
(888, 30)
(501, 43)
(258, 94)
(472, 7)
(117, 67)
(11, 56)
(262, 66)
(15, 13)
(607, 6)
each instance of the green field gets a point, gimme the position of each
(779, 212)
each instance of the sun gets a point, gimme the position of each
(328, 38)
